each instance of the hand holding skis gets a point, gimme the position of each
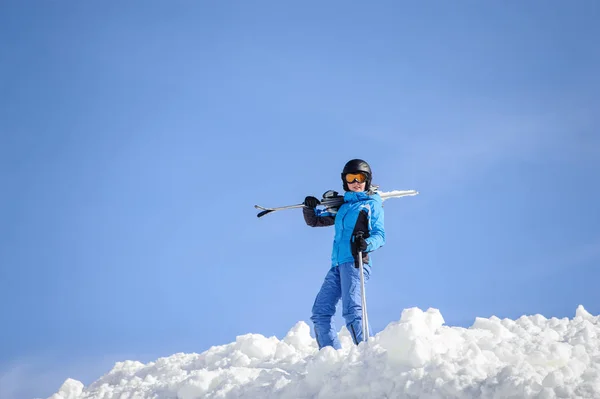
(311, 202)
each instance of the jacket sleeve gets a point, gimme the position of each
(317, 217)
(377, 232)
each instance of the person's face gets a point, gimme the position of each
(356, 181)
(356, 186)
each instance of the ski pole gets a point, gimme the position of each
(363, 296)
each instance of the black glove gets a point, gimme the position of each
(360, 244)
(311, 202)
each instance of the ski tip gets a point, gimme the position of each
(263, 213)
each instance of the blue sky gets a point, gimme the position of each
(135, 139)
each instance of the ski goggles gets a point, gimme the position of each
(355, 177)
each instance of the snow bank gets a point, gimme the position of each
(415, 357)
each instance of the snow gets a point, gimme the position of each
(415, 357)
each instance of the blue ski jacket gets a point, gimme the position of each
(359, 212)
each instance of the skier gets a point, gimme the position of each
(362, 211)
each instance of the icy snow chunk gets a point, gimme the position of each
(123, 371)
(284, 350)
(345, 338)
(494, 326)
(408, 342)
(325, 362)
(236, 359)
(299, 337)
(553, 379)
(198, 384)
(583, 332)
(423, 322)
(70, 389)
(550, 335)
(256, 346)
(538, 320)
(205, 383)
(584, 314)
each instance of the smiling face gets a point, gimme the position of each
(356, 181)
(356, 186)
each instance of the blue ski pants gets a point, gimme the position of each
(341, 282)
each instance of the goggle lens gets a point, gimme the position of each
(359, 177)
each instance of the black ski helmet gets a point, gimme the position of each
(356, 166)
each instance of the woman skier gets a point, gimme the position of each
(361, 212)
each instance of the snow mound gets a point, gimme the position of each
(415, 357)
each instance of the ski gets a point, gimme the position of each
(266, 211)
(331, 201)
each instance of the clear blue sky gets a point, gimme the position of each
(136, 137)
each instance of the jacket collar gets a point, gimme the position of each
(352, 196)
